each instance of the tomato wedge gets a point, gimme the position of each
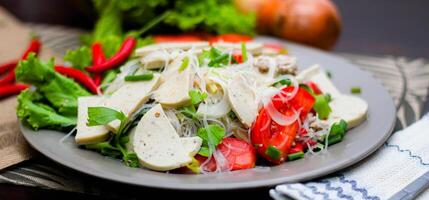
(303, 101)
(231, 37)
(273, 141)
(314, 87)
(178, 38)
(239, 153)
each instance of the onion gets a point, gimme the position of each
(272, 111)
(219, 109)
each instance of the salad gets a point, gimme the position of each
(192, 106)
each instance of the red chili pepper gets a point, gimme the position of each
(124, 52)
(98, 58)
(11, 89)
(79, 76)
(8, 66)
(8, 78)
(34, 46)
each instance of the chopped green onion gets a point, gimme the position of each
(244, 51)
(321, 106)
(334, 140)
(328, 97)
(142, 77)
(184, 64)
(355, 90)
(329, 74)
(286, 82)
(273, 152)
(295, 156)
(338, 128)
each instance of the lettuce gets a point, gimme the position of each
(60, 91)
(38, 115)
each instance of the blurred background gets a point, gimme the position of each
(379, 27)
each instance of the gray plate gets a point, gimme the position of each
(358, 143)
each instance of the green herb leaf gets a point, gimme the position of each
(189, 111)
(273, 152)
(184, 65)
(197, 97)
(355, 90)
(321, 106)
(141, 77)
(219, 61)
(212, 135)
(102, 115)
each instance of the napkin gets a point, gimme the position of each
(399, 162)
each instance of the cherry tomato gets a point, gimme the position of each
(273, 141)
(239, 153)
(314, 87)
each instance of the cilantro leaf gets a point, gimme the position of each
(212, 136)
(197, 97)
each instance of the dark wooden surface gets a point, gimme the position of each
(372, 27)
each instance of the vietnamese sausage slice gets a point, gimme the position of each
(129, 97)
(157, 143)
(89, 134)
(242, 99)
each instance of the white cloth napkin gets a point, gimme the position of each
(401, 160)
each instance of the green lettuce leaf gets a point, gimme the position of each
(59, 90)
(79, 58)
(39, 115)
